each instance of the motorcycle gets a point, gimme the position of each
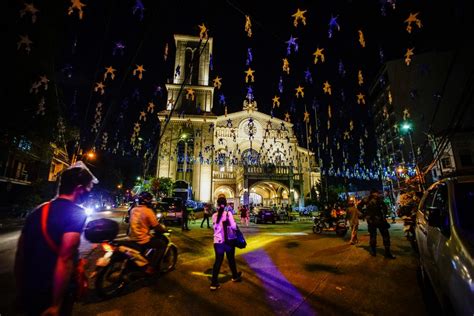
(320, 224)
(408, 215)
(125, 261)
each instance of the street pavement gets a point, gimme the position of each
(287, 270)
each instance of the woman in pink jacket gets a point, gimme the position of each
(220, 247)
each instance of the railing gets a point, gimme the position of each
(224, 175)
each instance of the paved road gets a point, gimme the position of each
(287, 269)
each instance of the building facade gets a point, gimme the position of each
(246, 156)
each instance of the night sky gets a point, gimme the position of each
(73, 54)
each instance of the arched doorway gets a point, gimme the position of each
(268, 193)
(224, 191)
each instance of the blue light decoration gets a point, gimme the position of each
(249, 56)
(119, 48)
(333, 25)
(280, 84)
(340, 68)
(307, 76)
(249, 96)
(211, 62)
(291, 43)
(138, 8)
(221, 99)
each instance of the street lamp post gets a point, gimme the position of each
(407, 127)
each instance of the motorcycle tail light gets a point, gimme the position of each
(107, 247)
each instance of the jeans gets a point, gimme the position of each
(205, 218)
(373, 234)
(220, 250)
(158, 243)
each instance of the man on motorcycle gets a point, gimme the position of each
(142, 221)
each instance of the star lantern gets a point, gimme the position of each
(329, 111)
(138, 8)
(41, 107)
(360, 98)
(249, 56)
(140, 71)
(361, 39)
(77, 5)
(276, 101)
(202, 31)
(360, 78)
(318, 54)
(291, 43)
(217, 82)
(280, 84)
(406, 114)
(307, 76)
(190, 94)
(286, 66)
(119, 47)
(109, 70)
(413, 18)
(105, 138)
(299, 16)
(248, 26)
(287, 117)
(299, 92)
(390, 100)
(142, 116)
(333, 25)
(24, 42)
(249, 74)
(99, 87)
(408, 55)
(30, 9)
(306, 117)
(165, 54)
(151, 107)
(327, 88)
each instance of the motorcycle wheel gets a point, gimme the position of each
(169, 260)
(317, 229)
(110, 280)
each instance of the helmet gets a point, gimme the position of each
(145, 198)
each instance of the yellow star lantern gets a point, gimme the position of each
(306, 117)
(413, 18)
(318, 54)
(299, 15)
(299, 92)
(140, 71)
(360, 98)
(390, 100)
(327, 88)
(190, 94)
(248, 26)
(202, 31)
(360, 78)
(217, 82)
(329, 111)
(276, 101)
(408, 55)
(78, 5)
(109, 70)
(249, 73)
(287, 117)
(99, 87)
(286, 66)
(361, 38)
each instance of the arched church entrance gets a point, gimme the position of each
(268, 193)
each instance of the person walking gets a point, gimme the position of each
(244, 216)
(206, 214)
(220, 247)
(353, 216)
(375, 211)
(185, 218)
(47, 253)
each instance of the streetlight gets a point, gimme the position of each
(408, 127)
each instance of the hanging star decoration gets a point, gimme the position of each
(248, 26)
(97, 118)
(318, 54)
(249, 74)
(299, 16)
(202, 31)
(351, 125)
(287, 117)
(110, 70)
(222, 99)
(406, 114)
(24, 42)
(307, 76)
(142, 116)
(217, 82)
(190, 94)
(41, 107)
(99, 87)
(360, 78)
(333, 25)
(31, 9)
(361, 38)
(250, 106)
(280, 84)
(408, 55)
(151, 107)
(390, 97)
(286, 66)
(299, 92)
(327, 88)
(249, 95)
(119, 47)
(346, 135)
(140, 71)
(138, 8)
(329, 111)
(78, 5)
(165, 54)
(249, 56)
(105, 138)
(306, 117)
(413, 18)
(291, 43)
(276, 101)
(360, 98)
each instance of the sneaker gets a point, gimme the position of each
(238, 278)
(214, 287)
(389, 256)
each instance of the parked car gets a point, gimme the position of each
(172, 209)
(263, 215)
(445, 239)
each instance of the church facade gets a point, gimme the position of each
(246, 156)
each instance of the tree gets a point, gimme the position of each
(159, 187)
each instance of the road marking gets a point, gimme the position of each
(288, 234)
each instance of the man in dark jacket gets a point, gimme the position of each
(374, 210)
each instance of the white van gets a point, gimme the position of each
(445, 238)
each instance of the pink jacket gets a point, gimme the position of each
(219, 237)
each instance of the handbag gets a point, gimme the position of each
(233, 237)
(79, 274)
